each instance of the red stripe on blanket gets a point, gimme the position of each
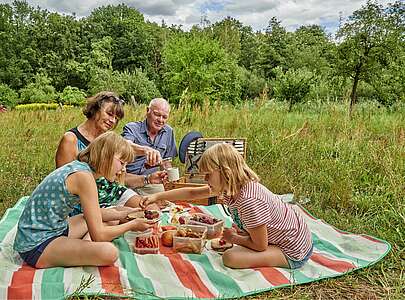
(189, 277)
(21, 283)
(370, 238)
(273, 276)
(111, 280)
(334, 264)
(338, 230)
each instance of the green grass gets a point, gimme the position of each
(352, 170)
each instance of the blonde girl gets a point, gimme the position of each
(46, 237)
(267, 232)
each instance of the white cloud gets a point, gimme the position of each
(256, 13)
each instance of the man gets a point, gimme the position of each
(152, 132)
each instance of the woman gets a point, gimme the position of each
(103, 112)
(46, 235)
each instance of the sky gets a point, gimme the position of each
(255, 13)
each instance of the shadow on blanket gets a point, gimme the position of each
(172, 275)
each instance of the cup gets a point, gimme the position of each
(173, 174)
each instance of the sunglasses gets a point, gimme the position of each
(114, 99)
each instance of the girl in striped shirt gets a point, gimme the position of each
(267, 232)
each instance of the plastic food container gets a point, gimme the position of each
(213, 230)
(146, 243)
(189, 243)
(131, 235)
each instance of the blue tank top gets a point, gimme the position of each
(82, 142)
(46, 212)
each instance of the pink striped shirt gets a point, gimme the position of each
(256, 205)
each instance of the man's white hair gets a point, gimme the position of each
(159, 101)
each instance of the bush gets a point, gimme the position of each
(251, 84)
(125, 84)
(72, 96)
(292, 86)
(198, 68)
(39, 91)
(8, 97)
(40, 106)
(138, 85)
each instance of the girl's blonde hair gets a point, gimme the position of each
(100, 153)
(234, 172)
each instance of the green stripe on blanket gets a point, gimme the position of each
(182, 276)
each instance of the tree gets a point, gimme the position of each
(291, 86)
(365, 45)
(273, 48)
(199, 68)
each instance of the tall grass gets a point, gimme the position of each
(352, 170)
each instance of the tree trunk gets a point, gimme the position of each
(354, 88)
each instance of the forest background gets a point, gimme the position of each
(53, 58)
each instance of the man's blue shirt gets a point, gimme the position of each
(164, 142)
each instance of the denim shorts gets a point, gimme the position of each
(31, 257)
(296, 264)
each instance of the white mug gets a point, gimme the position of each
(173, 174)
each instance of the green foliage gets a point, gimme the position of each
(251, 84)
(72, 96)
(199, 68)
(40, 106)
(115, 43)
(138, 87)
(292, 86)
(39, 91)
(8, 97)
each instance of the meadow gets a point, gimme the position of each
(349, 172)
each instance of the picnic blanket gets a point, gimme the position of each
(172, 275)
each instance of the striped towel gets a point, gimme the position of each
(172, 275)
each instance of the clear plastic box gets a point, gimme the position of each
(146, 243)
(213, 231)
(190, 244)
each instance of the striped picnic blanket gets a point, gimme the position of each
(172, 275)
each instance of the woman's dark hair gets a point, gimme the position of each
(96, 102)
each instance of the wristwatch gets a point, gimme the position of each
(146, 179)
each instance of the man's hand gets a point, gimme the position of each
(153, 157)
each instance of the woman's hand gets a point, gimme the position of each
(158, 177)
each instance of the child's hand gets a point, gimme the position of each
(147, 201)
(124, 211)
(141, 225)
(229, 235)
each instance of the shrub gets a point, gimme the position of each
(138, 85)
(198, 68)
(72, 96)
(251, 84)
(39, 91)
(292, 86)
(8, 97)
(40, 106)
